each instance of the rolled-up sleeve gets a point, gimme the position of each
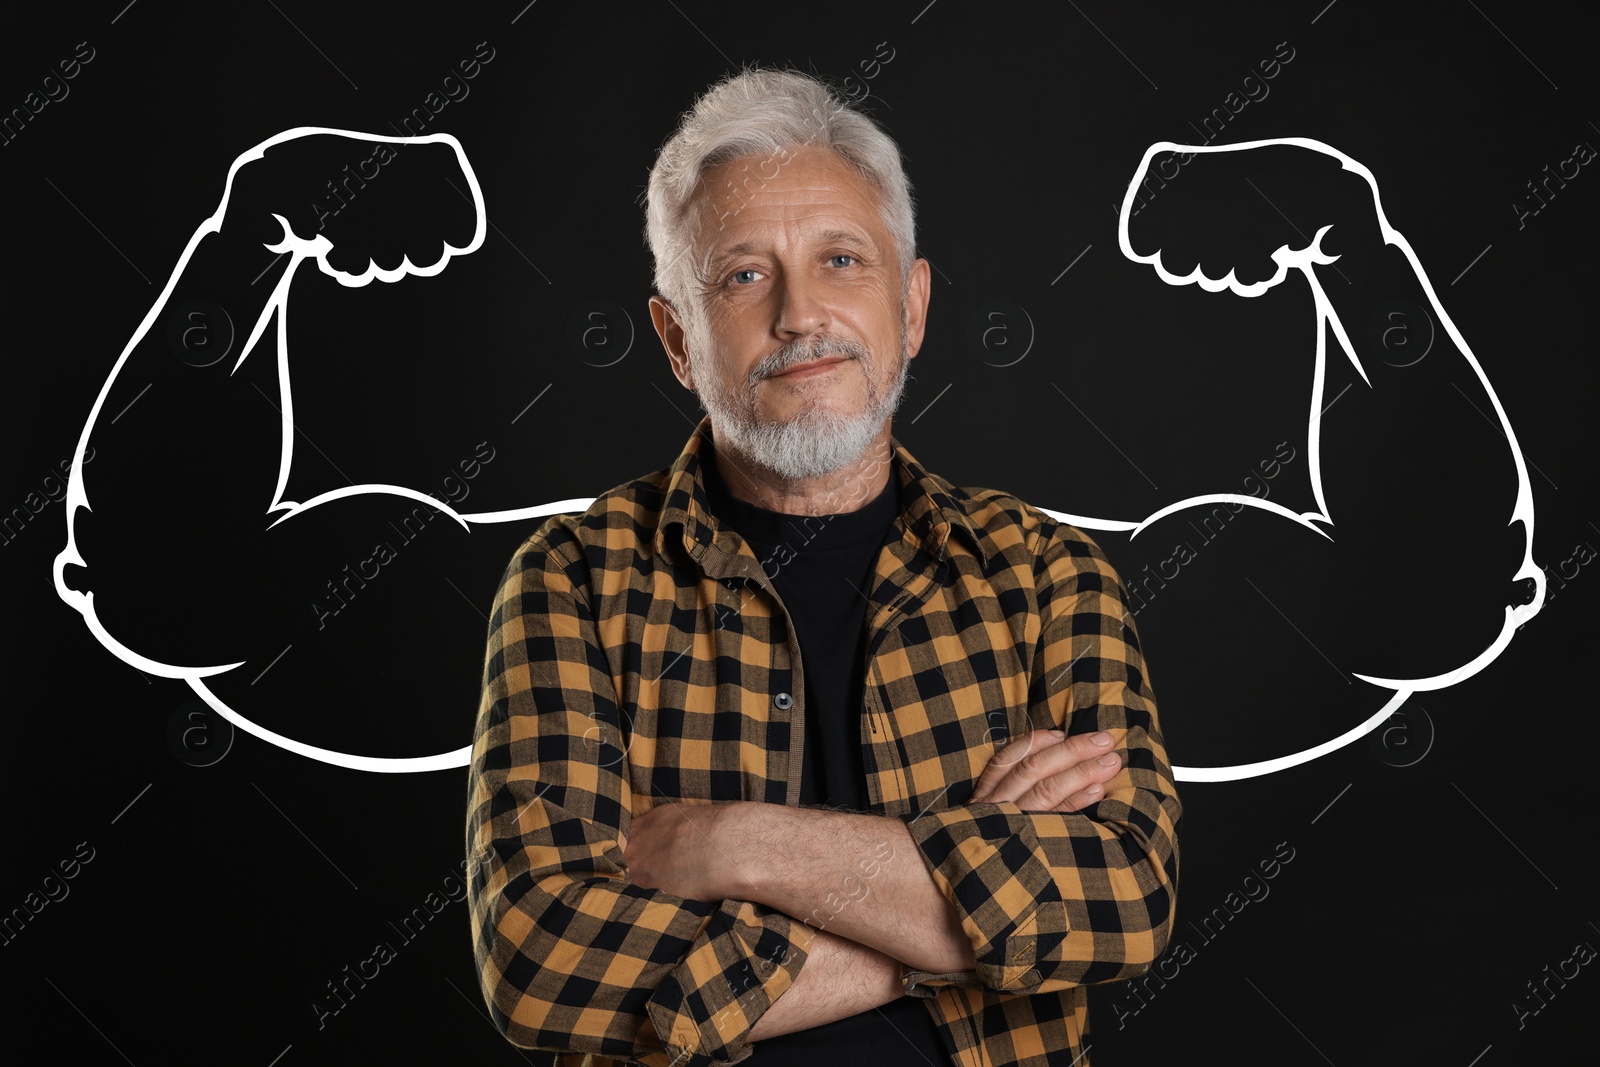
(1050, 900)
(572, 956)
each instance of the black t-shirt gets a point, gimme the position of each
(820, 567)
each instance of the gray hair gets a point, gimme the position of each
(767, 112)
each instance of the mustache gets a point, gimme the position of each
(797, 352)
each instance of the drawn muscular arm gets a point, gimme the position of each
(1417, 483)
(191, 444)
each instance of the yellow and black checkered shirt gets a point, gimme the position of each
(637, 653)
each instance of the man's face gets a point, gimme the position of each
(792, 265)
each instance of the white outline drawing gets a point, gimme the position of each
(317, 249)
(301, 250)
(1303, 259)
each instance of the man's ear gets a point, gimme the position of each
(918, 289)
(673, 338)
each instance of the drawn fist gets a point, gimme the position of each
(1237, 217)
(363, 206)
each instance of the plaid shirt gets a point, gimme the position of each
(637, 653)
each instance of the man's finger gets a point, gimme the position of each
(1012, 754)
(1076, 802)
(1045, 760)
(1056, 771)
(1060, 795)
(1051, 792)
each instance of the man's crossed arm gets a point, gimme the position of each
(860, 880)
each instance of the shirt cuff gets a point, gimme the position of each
(926, 984)
(744, 959)
(987, 861)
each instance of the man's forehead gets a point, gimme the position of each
(821, 231)
(743, 203)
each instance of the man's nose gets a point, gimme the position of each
(802, 312)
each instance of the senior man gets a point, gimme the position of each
(794, 747)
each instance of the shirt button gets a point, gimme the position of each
(783, 701)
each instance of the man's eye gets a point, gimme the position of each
(745, 277)
(848, 260)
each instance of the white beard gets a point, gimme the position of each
(816, 441)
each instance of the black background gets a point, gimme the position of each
(1423, 893)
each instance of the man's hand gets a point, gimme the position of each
(1045, 770)
(674, 846)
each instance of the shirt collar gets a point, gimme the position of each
(927, 508)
